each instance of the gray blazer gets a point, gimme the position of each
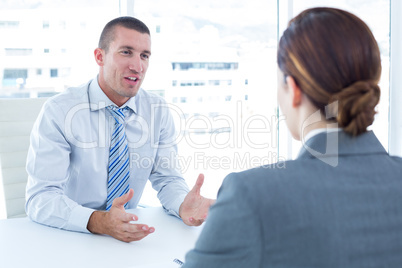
(334, 206)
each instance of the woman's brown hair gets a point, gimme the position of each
(333, 56)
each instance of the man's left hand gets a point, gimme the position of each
(194, 209)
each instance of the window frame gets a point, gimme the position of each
(395, 95)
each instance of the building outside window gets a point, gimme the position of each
(54, 72)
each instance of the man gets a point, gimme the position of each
(94, 147)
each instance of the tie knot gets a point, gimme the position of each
(118, 113)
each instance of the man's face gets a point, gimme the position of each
(124, 65)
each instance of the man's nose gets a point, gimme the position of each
(136, 64)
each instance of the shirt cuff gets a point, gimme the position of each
(174, 209)
(79, 218)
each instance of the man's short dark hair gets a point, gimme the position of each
(107, 35)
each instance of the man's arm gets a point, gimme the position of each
(48, 172)
(165, 176)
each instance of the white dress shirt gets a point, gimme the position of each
(68, 157)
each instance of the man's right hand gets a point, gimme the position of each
(116, 222)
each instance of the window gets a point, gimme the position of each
(15, 73)
(213, 59)
(211, 53)
(14, 78)
(199, 83)
(54, 73)
(18, 51)
(214, 82)
(45, 24)
(9, 24)
(62, 25)
(184, 66)
(66, 30)
(222, 48)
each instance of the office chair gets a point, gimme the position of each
(17, 117)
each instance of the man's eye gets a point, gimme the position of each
(145, 56)
(125, 52)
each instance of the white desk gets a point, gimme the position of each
(24, 243)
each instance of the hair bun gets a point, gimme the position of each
(356, 106)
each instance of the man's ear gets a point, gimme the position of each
(294, 90)
(99, 56)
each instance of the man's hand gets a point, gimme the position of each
(194, 209)
(116, 222)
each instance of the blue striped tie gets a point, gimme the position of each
(119, 171)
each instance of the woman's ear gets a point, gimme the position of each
(295, 91)
(99, 56)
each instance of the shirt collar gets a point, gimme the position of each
(317, 131)
(98, 99)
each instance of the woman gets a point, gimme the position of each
(339, 204)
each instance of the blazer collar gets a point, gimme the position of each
(334, 144)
